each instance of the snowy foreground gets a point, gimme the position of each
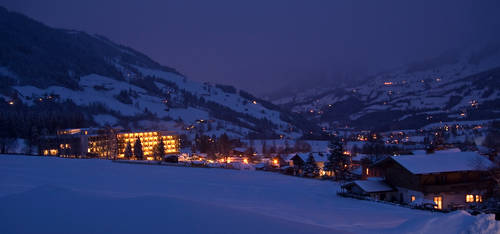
(55, 195)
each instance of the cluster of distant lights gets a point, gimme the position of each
(389, 83)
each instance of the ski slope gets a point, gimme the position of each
(55, 195)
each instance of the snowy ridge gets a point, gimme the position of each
(450, 87)
(110, 88)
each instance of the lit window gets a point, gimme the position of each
(367, 171)
(479, 198)
(412, 198)
(439, 202)
(469, 198)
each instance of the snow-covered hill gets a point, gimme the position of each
(118, 86)
(461, 85)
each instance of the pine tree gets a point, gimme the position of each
(197, 142)
(337, 161)
(264, 147)
(128, 151)
(224, 144)
(33, 140)
(310, 168)
(138, 149)
(160, 150)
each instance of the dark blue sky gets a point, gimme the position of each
(266, 45)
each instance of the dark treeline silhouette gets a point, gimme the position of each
(30, 122)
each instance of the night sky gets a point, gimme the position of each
(267, 45)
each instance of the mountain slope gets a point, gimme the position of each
(455, 86)
(46, 68)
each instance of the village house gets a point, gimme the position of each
(453, 180)
(298, 160)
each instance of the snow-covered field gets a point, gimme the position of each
(55, 195)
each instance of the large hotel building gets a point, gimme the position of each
(107, 143)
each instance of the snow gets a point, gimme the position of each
(443, 162)
(56, 195)
(104, 119)
(19, 146)
(371, 186)
(104, 90)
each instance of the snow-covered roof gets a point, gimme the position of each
(443, 162)
(421, 202)
(483, 149)
(186, 150)
(358, 171)
(372, 186)
(260, 165)
(240, 149)
(318, 157)
(359, 157)
(451, 150)
(419, 152)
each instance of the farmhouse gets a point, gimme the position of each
(452, 180)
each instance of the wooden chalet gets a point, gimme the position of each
(451, 180)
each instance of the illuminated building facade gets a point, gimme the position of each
(67, 143)
(149, 141)
(107, 143)
(102, 145)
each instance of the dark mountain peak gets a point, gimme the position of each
(60, 57)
